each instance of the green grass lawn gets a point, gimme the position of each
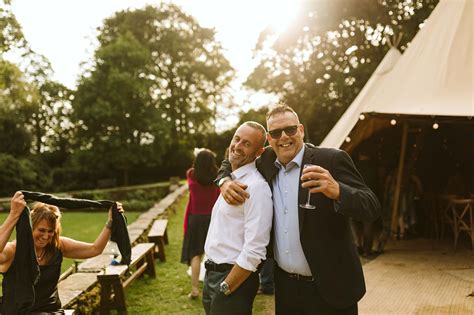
(86, 226)
(167, 294)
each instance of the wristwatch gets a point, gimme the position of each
(224, 288)
(222, 181)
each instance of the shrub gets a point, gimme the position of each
(22, 174)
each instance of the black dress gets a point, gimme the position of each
(46, 289)
(197, 217)
(195, 237)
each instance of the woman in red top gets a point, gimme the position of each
(202, 196)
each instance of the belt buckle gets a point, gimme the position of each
(210, 265)
(294, 276)
(299, 277)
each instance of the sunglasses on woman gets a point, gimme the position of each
(289, 131)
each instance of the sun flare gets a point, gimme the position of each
(280, 14)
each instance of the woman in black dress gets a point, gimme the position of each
(50, 249)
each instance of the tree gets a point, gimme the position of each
(52, 124)
(11, 35)
(319, 65)
(155, 81)
(18, 101)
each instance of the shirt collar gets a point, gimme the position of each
(297, 160)
(243, 170)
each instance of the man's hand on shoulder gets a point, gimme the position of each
(234, 192)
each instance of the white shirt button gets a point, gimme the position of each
(287, 252)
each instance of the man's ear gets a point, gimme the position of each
(301, 128)
(260, 151)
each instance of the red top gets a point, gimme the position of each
(201, 198)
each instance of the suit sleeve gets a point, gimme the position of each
(224, 171)
(356, 199)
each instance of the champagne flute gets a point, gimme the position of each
(308, 205)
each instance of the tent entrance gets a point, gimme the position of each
(414, 160)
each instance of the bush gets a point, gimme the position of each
(22, 174)
(138, 205)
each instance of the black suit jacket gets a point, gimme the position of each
(325, 232)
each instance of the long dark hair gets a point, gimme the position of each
(205, 167)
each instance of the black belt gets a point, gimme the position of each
(212, 266)
(298, 276)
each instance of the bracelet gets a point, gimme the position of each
(108, 224)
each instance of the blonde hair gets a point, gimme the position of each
(41, 211)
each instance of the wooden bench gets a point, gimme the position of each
(82, 277)
(135, 236)
(158, 234)
(114, 279)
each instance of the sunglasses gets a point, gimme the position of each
(289, 131)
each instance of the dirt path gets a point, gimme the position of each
(413, 278)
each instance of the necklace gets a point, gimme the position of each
(40, 257)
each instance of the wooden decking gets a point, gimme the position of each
(412, 277)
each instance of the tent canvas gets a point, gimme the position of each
(352, 114)
(429, 87)
(434, 76)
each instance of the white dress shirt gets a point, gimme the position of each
(239, 234)
(289, 253)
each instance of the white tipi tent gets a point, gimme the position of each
(348, 120)
(431, 84)
(434, 77)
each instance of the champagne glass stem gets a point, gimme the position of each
(308, 204)
(309, 197)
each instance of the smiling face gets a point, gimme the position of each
(286, 147)
(245, 146)
(43, 234)
(46, 226)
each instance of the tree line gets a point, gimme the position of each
(158, 82)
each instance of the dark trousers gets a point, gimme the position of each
(295, 297)
(267, 283)
(239, 302)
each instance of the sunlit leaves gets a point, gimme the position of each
(322, 61)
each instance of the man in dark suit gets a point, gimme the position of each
(317, 270)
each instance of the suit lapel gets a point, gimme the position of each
(266, 165)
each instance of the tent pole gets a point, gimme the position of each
(396, 197)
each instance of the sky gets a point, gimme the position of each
(64, 32)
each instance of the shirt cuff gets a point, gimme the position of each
(245, 264)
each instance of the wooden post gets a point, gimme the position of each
(396, 197)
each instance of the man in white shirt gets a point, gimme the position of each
(238, 235)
